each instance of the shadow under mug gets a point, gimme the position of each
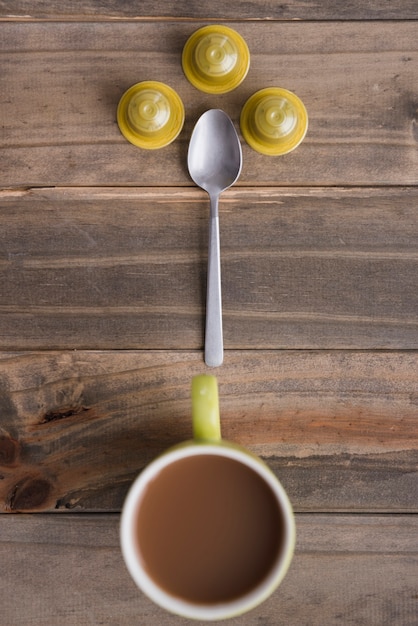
(207, 530)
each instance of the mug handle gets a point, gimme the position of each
(205, 408)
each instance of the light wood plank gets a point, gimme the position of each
(218, 10)
(339, 429)
(61, 83)
(302, 268)
(346, 570)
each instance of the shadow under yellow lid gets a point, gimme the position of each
(215, 59)
(150, 115)
(274, 121)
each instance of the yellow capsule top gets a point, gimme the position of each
(150, 115)
(274, 121)
(215, 59)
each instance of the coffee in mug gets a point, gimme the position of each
(207, 531)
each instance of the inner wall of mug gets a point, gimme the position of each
(131, 552)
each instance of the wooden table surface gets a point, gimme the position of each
(103, 251)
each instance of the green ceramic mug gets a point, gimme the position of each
(207, 530)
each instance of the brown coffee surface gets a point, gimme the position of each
(209, 529)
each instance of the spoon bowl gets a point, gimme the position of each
(214, 161)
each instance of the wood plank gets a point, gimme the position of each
(302, 268)
(216, 10)
(347, 570)
(355, 79)
(339, 429)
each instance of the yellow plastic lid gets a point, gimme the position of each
(274, 121)
(215, 59)
(150, 115)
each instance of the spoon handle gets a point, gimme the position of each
(214, 350)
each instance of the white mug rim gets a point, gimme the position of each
(176, 605)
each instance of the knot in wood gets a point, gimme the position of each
(9, 451)
(29, 494)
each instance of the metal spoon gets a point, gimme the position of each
(214, 161)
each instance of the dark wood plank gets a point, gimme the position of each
(61, 83)
(338, 428)
(347, 570)
(114, 268)
(218, 10)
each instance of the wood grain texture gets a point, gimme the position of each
(338, 428)
(102, 299)
(186, 9)
(59, 128)
(358, 570)
(126, 268)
